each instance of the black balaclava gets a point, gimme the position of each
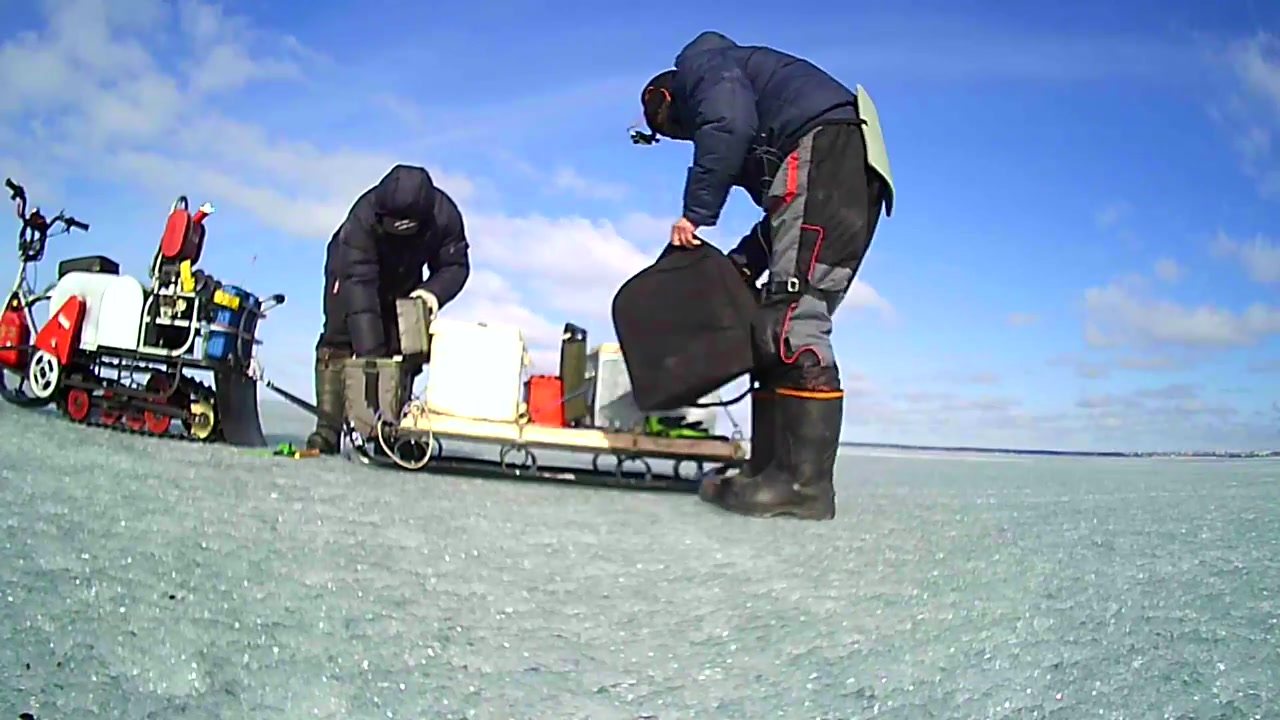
(662, 113)
(405, 201)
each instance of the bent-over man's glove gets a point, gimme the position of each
(433, 304)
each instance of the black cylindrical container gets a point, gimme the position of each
(573, 374)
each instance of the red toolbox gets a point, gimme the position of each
(545, 404)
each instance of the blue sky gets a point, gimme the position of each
(1080, 257)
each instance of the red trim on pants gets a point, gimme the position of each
(786, 320)
(793, 177)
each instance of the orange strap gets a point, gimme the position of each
(811, 394)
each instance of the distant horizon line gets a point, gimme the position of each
(1072, 453)
(270, 397)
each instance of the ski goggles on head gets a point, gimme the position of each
(398, 225)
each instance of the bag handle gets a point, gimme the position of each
(676, 256)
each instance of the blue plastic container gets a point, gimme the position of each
(226, 339)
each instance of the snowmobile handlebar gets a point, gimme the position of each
(33, 236)
(18, 194)
(35, 220)
(74, 224)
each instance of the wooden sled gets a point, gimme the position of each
(419, 442)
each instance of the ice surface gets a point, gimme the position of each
(159, 579)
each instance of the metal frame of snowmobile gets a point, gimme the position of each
(96, 351)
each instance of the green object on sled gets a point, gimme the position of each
(288, 450)
(668, 427)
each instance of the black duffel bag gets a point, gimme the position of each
(684, 326)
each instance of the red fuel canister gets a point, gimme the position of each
(545, 405)
(14, 336)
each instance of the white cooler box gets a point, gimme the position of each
(476, 370)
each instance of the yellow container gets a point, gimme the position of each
(226, 300)
(188, 280)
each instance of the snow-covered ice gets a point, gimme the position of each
(159, 579)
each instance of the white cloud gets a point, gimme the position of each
(650, 231)
(1256, 61)
(225, 62)
(1149, 363)
(1168, 270)
(1138, 398)
(1100, 366)
(1112, 214)
(1169, 417)
(1113, 219)
(89, 96)
(560, 179)
(1260, 256)
(490, 298)
(862, 296)
(1267, 366)
(1082, 367)
(479, 124)
(573, 263)
(576, 264)
(1021, 319)
(969, 378)
(86, 87)
(1178, 404)
(570, 180)
(1253, 114)
(1121, 314)
(99, 100)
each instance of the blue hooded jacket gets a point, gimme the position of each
(748, 106)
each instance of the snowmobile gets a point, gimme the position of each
(117, 353)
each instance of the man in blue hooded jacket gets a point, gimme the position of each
(809, 152)
(394, 230)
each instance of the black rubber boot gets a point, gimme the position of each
(799, 481)
(330, 402)
(764, 430)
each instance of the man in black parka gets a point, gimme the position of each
(394, 230)
(809, 152)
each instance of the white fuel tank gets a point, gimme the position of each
(113, 308)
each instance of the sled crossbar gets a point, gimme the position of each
(572, 439)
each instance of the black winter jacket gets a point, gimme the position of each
(372, 267)
(748, 106)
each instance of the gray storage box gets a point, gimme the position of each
(613, 406)
(415, 328)
(374, 387)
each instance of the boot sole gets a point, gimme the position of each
(794, 512)
(798, 514)
(709, 490)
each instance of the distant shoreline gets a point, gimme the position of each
(267, 398)
(1074, 453)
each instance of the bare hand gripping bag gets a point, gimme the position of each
(684, 326)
